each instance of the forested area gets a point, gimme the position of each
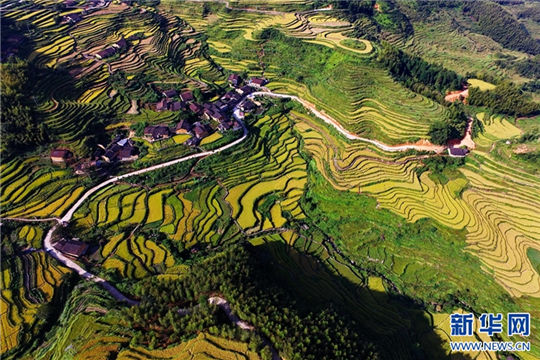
(245, 279)
(529, 68)
(495, 22)
(431, 80)
(21, 129)
(453, 127)
(506, 98)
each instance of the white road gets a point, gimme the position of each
(47, 243)
(64, 220)
(349, 135)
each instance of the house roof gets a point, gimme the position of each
(61, 153)
(458, 151)
(121, 43)
(74, 17)
(258, 81)
(106, 52)
(183, 124)
(170, 93)
(163, 104)
(72, 247)
(176, 106)
(127, 152)
(196, 108)
(187, 96)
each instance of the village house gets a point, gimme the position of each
(234, 80)
(200, 130)
(120, 44)
(258, 82)
(72, 18)
(187, 97)
(120, 149)
(105, 53)
(195, 108)
(170, 93)
(157, 132)
(73, 248)
(177, 106)
(457, 152)
(247, 106)
(245, 90)
(183, 127)
(61, 156)
(162, 105)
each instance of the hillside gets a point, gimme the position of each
(276, 179)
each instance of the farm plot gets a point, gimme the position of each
(492, 201)
(135, 257)
(31, 189)
(28, 282)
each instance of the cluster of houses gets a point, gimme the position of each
(123, 149)
(120, 149)
(218, 111)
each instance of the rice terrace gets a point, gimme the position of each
(269, 179)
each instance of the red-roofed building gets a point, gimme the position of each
(61, 156)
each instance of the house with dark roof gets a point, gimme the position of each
(176, 106)
(73, 248)
(73, 18)
(255, 81)
(162, 105)
(170, 93)
(120, 44)
(195, 108)
(457, 152)
(183, 127)
(105, 53)
(234, 80)
(157, 132)
(245, 90)
(61, 156)
(187, 96)
(120, 149)
(128, 153)
(200, 130)
(247, 106)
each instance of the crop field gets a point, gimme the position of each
(204, 346)
(255, 191)
(388, 111)
(28, 282)
(25, 185)
(159, 224)
(492, 201)
(135, 257)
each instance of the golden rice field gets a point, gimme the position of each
(37, 277)
(494, 202)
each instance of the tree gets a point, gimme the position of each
(439, 132)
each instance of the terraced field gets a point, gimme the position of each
(491, 200)
(254, 190)
(26, 183)
(28, 283)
